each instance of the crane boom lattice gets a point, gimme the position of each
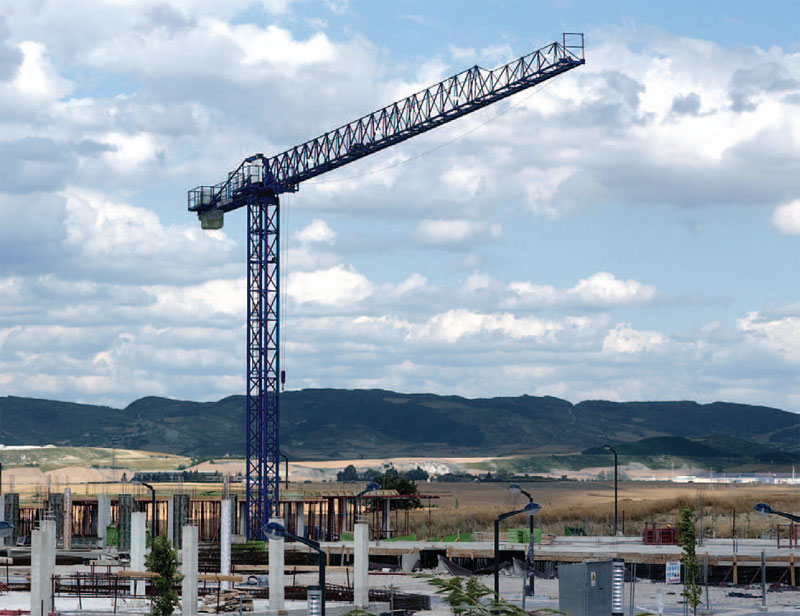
(257, 183)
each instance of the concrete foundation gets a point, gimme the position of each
(189, 570)
(103, 518)
(276, 566)
(138, 545)
(43, 565)
(361, 565)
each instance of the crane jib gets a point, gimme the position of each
(257, 183)
(456, 96)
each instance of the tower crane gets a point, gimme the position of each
(257, 184)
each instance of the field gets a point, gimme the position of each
(460, 507)
(473, 506)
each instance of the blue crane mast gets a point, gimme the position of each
(259, 180)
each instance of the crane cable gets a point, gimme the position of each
(438, 147)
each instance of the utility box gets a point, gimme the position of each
(584, 589)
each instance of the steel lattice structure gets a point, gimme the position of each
(257, 184)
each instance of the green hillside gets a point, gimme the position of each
(328, 423)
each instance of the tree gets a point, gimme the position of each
(163, 560)
(391, 480)
(691, 567)
(348, 474)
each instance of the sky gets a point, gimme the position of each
(627, 231)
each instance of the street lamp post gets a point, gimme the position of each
(616, 517)
(153, 502)
(530, 510)
(371, 487)
(273, 530)
(765, 509)
(531, 588)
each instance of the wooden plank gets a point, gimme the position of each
(218, 577)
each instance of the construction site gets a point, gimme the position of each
(265, 546)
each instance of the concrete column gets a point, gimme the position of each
(387, 517)
(171, 521)
(361, 565)
(11, 514)
(103, 518)
(225, 540)
(180, 517)
(301, 520)
(67, 531)
(43, 565)
(138, 544)
(125, 504)
(276, 592)
(2, 516)
(189, 571)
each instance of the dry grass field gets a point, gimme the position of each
(473, 506)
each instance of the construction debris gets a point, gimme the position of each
(227, 601)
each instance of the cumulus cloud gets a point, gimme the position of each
(456, 232)
(786, 218)
(109, 290)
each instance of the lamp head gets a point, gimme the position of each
(531, 509)
(515, 488)
(273, 530)
(607, 448)
(372, 487)
(762, 508)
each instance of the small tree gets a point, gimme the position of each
(163, 560)
(691, 568)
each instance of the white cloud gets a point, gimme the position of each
(317, 231)
(336, 286)
(601, 289)
(454, 232)
(786, 218)
(623, 339)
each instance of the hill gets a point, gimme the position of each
(328, 423)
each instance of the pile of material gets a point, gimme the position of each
(227, 601)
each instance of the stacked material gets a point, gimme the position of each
(227, 601)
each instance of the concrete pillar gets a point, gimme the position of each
(234, 501)
(171, 521)
(43, 565)
(276, 591)
(189, 570)
(2, 516)
(361, 565)
(387, 518)
(301, 520)
(55, 506)
(225, 540)
(103, 518)
(125, 503)
(180, 517)
(11, 514)
(66, 533)
(138, 545)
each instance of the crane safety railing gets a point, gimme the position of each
(447, 100)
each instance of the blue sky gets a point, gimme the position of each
(629, 231)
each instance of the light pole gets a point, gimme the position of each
(530, 510)
(153, 501)
(273, 530)
(530, 591)
(371, 487)
(614, 451)
(286, 467)
(765, 509)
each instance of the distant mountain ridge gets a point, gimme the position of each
(335, 423)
